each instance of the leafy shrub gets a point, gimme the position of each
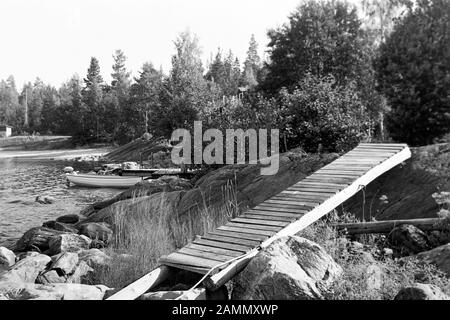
(325, 113)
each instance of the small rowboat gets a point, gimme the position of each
(100, 181)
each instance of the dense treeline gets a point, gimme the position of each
(332, 78)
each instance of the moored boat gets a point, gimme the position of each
(102, 181)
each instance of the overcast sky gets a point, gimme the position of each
(54, 39)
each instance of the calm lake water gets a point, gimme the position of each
(23, 179)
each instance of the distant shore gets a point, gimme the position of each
(66, 154)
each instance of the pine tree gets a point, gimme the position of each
(145, 98)
(92, 97)
(120, 77)
(252, 65)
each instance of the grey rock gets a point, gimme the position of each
(94, 258)
(58, 291)
(421, 291)
(69, 218)
(97, 231)
(388, 252)
(409, 238)
(36, 239)
(68, 242)
(290, 268)
(7, 258)
(45, 199)
(50, 276)
(439, 256)
(26, 270)
(64, 263)
(49, 224)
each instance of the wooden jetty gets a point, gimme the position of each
(225, 251)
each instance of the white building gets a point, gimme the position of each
(5, 131)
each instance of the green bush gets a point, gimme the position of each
(324, 113)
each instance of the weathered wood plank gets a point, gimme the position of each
(204, 254)
(283, 208)
(330, 177)
(225, 252)
(303, 196)
(266, 221)
(286, 202)
(223, 245)
(245, 231)
(276, 214)
(223, 238)
(306, 191)
(304, 183)
(253, 226)
(349, 175)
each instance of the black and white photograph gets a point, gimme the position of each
(246, 152)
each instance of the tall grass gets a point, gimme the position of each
(353, 283)
(148, 227)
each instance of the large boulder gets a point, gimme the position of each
(25, 270)
(58, 291)
(78, 275)
(290, 268)
(68, 242)
(94, 258)
(64, 263)
(96, 231)
(439, 256)
(37, 238)
(68, 218)
(421, 291)
(50, 276)
(409, 238)
(7, 258)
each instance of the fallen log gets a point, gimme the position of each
(387, 225)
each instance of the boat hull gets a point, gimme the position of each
(99, 181)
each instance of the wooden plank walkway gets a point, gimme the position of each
(222, 253)
(289, 211)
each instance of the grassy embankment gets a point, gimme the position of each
(145, 234)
